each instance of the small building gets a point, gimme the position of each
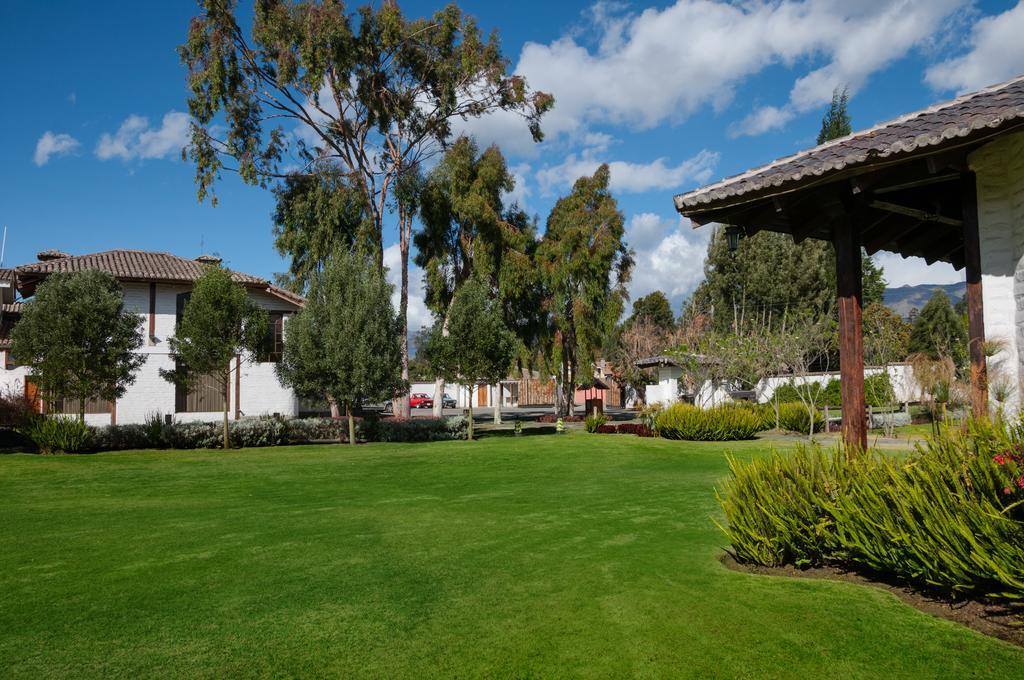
(945, 183)
(156, 286)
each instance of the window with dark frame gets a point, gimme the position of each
(273, 343)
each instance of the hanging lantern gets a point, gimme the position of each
(732, 235)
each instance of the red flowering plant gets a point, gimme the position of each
(1011, 461)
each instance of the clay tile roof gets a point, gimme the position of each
(132, 265)
(989, 110)
(7, 275)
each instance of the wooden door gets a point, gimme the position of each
(32, 396)
(481, 395)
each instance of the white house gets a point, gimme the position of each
(156, 286)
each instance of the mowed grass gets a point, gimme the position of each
(540, 556)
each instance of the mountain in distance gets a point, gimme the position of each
(905, 298)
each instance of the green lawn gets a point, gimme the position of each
(540, 556)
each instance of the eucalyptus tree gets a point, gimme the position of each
(586, 265)
(314, 216)
(370, 94)
(467, 233)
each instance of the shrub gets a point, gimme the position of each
(58, 435)
(263, 431)
(416, 429)
(948, 518)
(124, 437)
(878, 392)
(765, 413)
(720, 423)
(793, 416)
(554, 418)
(593, 423)
(192, 436)
(776, 507)
(16, 410)
(305, 430)
(639, 429)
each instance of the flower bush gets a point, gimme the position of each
(949, 518)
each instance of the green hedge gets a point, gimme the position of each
(948, 519)
(727, 422)
(878, 392)
(68, 435)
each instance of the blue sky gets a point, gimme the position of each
(672, 94)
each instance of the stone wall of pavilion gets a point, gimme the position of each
(1000, 171)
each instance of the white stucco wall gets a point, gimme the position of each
(999, 167)
(260, 391)
(711, 394)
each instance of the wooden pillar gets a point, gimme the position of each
(846, 238)
(975, 307)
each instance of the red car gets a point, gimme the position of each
(421, 401)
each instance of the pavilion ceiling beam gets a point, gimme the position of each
(884, 238)
(922, 215)
(914, 184)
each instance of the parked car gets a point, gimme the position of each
(420, 400)
(382, 407)
(448, 402)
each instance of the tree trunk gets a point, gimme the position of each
(405, 228)
(227, 400)
(335, 411)
(469, 432)
(497, 404)
(439, 385)
(351, 424)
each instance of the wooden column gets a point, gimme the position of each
(847, 241)
(975, 306)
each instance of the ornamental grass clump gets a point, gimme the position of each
(948, 519)
(795, 417)
(778, 508)
(727, 422)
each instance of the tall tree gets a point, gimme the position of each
(586, 265)
(478, 347)
(938, 332)
(462, 233)
(653, 308)
(836, 122)
(370, 95)
(77, 339)
(886, 335)
(344, 345)
(220, 322)
(315, 215)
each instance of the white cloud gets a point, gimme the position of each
(51, 144)
(418, 314)
(661, 65)
(136, 140)
(996, 54)
(912, 271)
(669, 256)
(762, 120)
(629, 177)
